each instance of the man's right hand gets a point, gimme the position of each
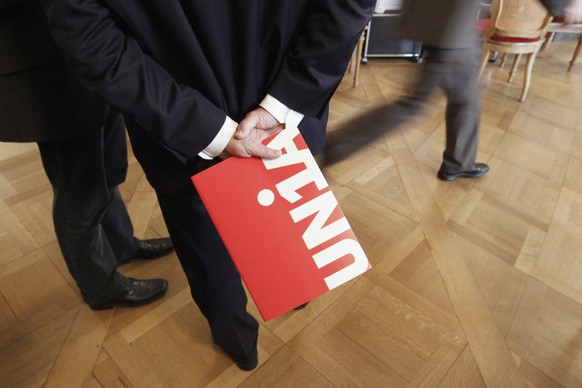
(573, 12)
(257, 126)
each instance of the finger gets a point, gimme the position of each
(239, 148)
(242, 132)
(261, 151)
(267, 133)
(266, 119)
(245, 126)
(276, 130)
(571, 18)
(573, 14)
(567, 19)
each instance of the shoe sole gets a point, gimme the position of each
(248, 366)
(153, 257)
(109, 306)
(449, 178)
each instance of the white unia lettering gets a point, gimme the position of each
(322, 206)
(335, 252)
(288, 188)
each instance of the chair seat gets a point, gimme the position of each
(517, 27)
(513, 39)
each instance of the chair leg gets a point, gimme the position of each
(358, 59)
(549, 37)
(484, 58)
(528, 69)
(503, 59)
(576, 52)
(514, 67)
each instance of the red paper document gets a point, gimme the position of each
(282, 225)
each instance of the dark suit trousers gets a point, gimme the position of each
(91, 221)
(214, 281)
(455, 71)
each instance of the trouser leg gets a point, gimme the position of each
(81, 198)
(116, 222)
(433, 72)
(214, 280)
(463, 110)
(356, 134)
(118, 228)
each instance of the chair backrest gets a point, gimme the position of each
(519, 18)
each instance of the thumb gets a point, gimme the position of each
(245, 126)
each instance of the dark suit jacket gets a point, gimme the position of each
(178, 68)
(450, 24)
(40, 99)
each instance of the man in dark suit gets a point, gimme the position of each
(83, 150)
(184, 74)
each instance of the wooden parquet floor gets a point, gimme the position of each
(474, 282)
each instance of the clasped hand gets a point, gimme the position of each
(249, 135)
(573, 13)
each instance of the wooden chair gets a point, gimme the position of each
(517, 27)
(557, 26)
(576, 52)
(356, 60)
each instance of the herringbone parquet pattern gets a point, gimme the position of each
(474, 282)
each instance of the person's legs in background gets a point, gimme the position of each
(382, 120)
(462, 111)
(82, 198)
(116, 222)
(460, 84)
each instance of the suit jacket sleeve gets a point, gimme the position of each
(316, 64)
(112, 64)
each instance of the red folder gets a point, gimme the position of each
(282, 225)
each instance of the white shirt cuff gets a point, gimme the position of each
(220, 141)
(281, 112)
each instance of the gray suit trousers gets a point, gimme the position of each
(456, 72)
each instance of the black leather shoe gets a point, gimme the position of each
(151, 249)
(138, 293)
(479, 169)
(248, 365)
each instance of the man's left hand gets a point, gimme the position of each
(247, 140)
(573, 12)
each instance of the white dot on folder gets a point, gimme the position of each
(266, 197)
